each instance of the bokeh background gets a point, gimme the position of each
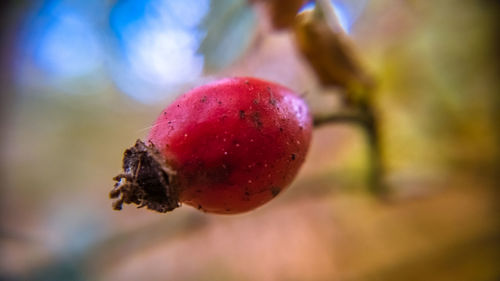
(81, 80)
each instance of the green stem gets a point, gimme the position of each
(364, 117)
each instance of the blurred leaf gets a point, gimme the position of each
(329, 53)
(230, 27)
(282, 12)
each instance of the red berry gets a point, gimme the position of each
(226, 147)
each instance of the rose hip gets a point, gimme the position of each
(226, 147)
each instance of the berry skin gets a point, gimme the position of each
(226, 147)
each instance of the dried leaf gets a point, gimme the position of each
(282, 13)
(329, 53)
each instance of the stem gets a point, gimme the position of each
(341, 117)
(366, 119)
(376, 176)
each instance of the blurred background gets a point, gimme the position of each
(81, 80)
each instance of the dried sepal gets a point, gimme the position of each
(146, 180)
